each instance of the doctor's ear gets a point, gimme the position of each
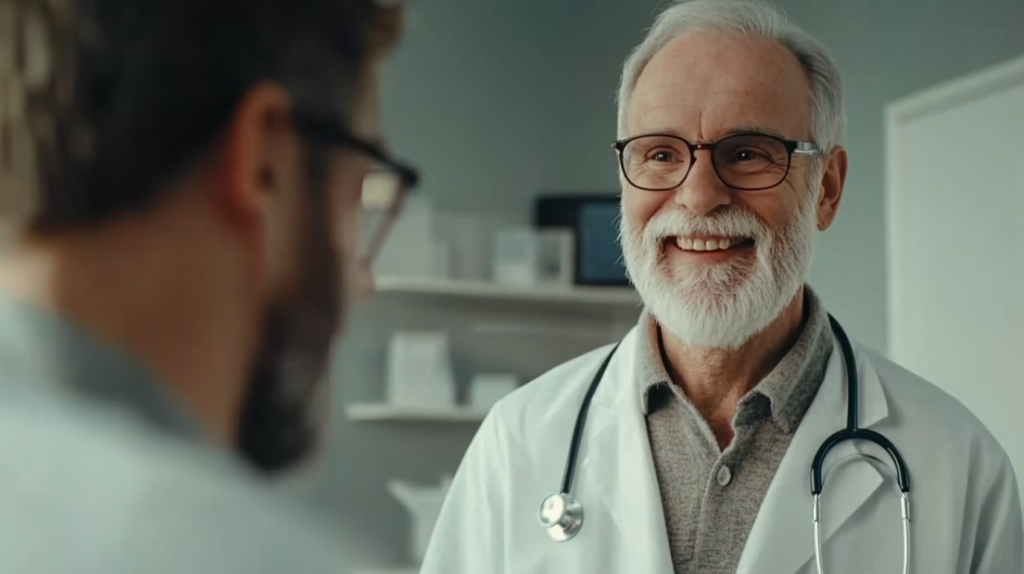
(830, 191)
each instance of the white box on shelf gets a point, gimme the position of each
(420, 370)
(515, 257)
(466, 238)
(486, 389)
(555, 257)
(412, 248)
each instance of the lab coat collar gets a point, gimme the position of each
(617, 461)
(782, 538)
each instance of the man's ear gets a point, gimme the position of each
(833, 180)
(259, 173)
(255, 162)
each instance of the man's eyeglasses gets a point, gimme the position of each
(385, 186)
(745, 161)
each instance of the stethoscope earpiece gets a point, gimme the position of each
(561, 516)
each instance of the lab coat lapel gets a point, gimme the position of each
(782, 538)
(620, 470)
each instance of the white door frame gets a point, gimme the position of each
(931, 101)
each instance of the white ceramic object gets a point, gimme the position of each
(424, 506)
(420, 370)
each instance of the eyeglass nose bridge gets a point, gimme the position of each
(694, 148)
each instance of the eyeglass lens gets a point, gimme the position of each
(382, 198)
(746, 162)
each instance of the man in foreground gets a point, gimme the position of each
(165, 316)
(702, 430)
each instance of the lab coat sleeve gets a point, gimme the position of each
(469, 535)
(999, 538)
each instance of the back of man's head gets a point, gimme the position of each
(105, 100)
(142, 133)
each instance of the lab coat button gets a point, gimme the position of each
(724, 475)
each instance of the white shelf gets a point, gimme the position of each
(542, 331)
(386, 412)
(487, 290)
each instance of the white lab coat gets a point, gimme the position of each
(966, 510)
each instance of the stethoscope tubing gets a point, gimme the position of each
(851, 432)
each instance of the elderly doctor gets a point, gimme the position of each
(696, 453)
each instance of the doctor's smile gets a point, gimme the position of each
(708, 249)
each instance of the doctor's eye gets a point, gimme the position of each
(749, 154)
(751, 151)
(663, 156)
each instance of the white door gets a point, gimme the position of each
(955, 202)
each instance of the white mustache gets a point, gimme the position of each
(731, 223)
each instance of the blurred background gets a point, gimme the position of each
(510, 105)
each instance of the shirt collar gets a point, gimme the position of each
(42, 351)
(651, 374)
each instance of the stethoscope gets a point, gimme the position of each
(562, 515)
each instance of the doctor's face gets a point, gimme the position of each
(714, 264)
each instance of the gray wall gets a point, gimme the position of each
(497, 101)
(888, 49)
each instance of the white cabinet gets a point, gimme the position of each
(955, 225)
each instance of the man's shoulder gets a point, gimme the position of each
(131, 499)
(920, 404)
(548, 403)
(967, 466)
(570, 377)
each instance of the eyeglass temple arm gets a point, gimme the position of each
(377, 241)
(806, 148)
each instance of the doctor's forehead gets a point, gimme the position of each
(705, 84)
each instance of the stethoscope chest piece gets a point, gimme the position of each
(561, 516)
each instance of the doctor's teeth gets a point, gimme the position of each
(687, 244)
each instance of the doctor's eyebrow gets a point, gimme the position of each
(735, 130)
(745, 129)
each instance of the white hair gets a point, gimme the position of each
(752, 18)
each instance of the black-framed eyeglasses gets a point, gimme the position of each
(743, 161)
(384, 188)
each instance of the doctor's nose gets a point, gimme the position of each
(702, 191)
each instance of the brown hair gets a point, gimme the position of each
(103, 100)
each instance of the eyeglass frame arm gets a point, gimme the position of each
(328, 131)
(792, 147)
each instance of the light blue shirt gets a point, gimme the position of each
(102, 473)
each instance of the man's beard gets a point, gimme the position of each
(720, 305)
(280, 422)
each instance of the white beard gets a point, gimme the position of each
(720, 305)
